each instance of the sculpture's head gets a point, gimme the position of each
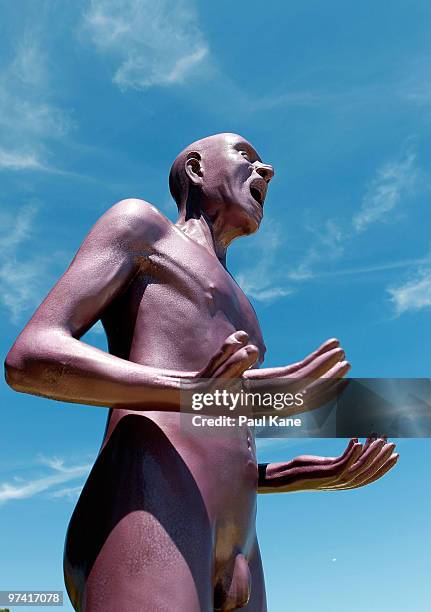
(223, 177)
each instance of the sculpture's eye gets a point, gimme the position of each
(245, 154)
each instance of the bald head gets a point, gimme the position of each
(223, 178)
(179, 182)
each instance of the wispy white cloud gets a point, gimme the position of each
(29, 65)
(59, 474)
(394, 180)
(327, 246)
(267, 282)
(370, 269)
(22, 280)
(155, 43)
(267, 294)
(263, 281)
(28, 118)
(21, 286)
(70, 493)
(16, 228)
(12, 160)
(414, 294)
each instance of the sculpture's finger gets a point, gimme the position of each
(338, 370)
(238, 363)
(329, 345)
(372, 438)
(334, 374)
(367, 457)
(323, 391)
(353, 470)
(232, 344)
(321, 365)
(319, 382)
(320, 392)
(352, 441)
(368, 441)
(390, 463)
(349, 460)
(377, 463)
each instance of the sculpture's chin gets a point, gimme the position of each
(246, 218)
(252, 226)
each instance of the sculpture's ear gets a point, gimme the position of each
(193, 167)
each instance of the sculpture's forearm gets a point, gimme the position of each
(358, 466)
(54, 364)
(261, 482)
(273, 478)
(294, 475)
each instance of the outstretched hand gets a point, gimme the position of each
(327, 360)
(317, 377)
(359, 465)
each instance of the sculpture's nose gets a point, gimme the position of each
(266, 171)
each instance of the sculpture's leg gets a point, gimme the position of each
(139, 538)
(138, 576)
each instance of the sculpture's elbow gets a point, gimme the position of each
(35, 364)
(14, 369)
(19, 366)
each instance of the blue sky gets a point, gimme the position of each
(96, 99)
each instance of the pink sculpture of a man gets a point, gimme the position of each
(166, 522)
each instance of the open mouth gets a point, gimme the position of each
(258, 189)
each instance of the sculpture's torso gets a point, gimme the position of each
(179, 308)
(175, 313)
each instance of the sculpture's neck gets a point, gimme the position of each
(207, 234)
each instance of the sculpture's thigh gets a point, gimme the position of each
(140, 569)
(139, 538)
(257, 601)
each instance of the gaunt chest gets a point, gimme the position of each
(194, 294)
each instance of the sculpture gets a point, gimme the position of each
(166, 522)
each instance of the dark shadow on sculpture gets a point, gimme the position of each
(129, 476)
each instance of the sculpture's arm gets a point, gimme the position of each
(48, 359)
(359, 465)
